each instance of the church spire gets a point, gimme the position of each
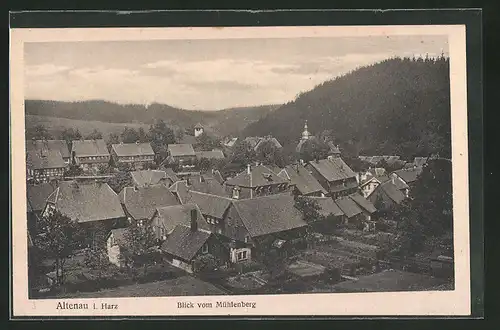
(305, 133)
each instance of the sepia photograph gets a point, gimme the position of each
(238, 165)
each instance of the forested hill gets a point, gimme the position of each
(398, 106)
(223, 122)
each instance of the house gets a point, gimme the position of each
(166, 218)
(140, 203)
(50, 145)
(36, 198)
(90, 154)
(181, 154)
(386, 195)
(327, 209)
(150, 177)
(136, 154)
(407, 175)
(44, 166)
(89, 204)
(357, 210)
(303, 182)
(256, 142)
(336, 177)
(256, 181)
(212, 154)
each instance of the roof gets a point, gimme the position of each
(230, 142)
(269, 214)
(185, 243)
(400, 184)
(348, 206)
(133, 149)
(256, 141)
(36, 196)
(363, 202)
(213, 154)
(171, 216)
(259, 176)
(187, 139)
(198, 125)
(209, 204)
(59, 145)
(171, 174)
(120, 236)
(87, 201)
(204, 183)
(409, 175)
(183, 149)
(44, 160)
(303, 180)
(327, 206)
(333, 169)
(141, 202)
(420, 161)
(83, 148)
(148, 177)
(392, 191)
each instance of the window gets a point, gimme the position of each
(242, 255)
(204, 248)
(247, 239)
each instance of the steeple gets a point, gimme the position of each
(305, 133)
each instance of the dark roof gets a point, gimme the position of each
(141, 202)
(392, 191)
(181, 149)
(171, 216)
(54, 145)
(333, 169)
(148, 177)
(45, 160)
(303, 180)
(409, 175)
(83, 148)
(133, 149)
(212, 205)
(185, 243)
(87, 201)
(269, 214)
(213, 154)
(348, 206)
(259, 176)
(327, 206)
(363, 202)
(37, 196)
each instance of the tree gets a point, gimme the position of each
(313, 150)
(40, 132)
(113, 138)
(206, 263)
(160, 136)
(58, 239)
(74, 170)
(309, 209)
(129, 135)
(269, 153)
(69, 135)
(143, 137)
(94, 135)
(141, 242)
(119, 181)
(243, 153)
(206, 142)
(96, 257)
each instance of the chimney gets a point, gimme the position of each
(248, 169)
(194, 223)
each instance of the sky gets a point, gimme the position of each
(205, 74)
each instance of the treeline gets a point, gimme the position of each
(398, 106)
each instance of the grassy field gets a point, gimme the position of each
(56, 125)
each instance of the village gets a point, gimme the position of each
(206, 216)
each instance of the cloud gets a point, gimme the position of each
(44, 69)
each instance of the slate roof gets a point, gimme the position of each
(84, 148)
(133, 149)
(47, 160)
(333, 169)
(185, 243)
(212, 205)
(304, 181)
(184, 149)
(148, 177)
(392, 191)
(348, 206)
(86, 201)
(36, 196)
(142, 202)
(56, 145)
(409, 175)
(213, 154)
(327, 206)
(256, 178)
(363, 202)
(171, 216)
(269, 214)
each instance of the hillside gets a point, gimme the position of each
(222, 122)
(398, 106)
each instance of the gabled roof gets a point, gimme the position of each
(54, 145)
(327, 206)
(269, 214)
(211, 205)
(171, 216)
(133, 149)
(44, 160)
(148, 177)
(84, 148)
(256, 141)
(363, 202)
(303, 180)
(141, 202)
(348, 206)
(333, 169)
(171, 175)
(259, 176)
(198, 125)
(36, 196)
(409, 175)
(213, 154)
(204, 183)
(185, 243)
(392, 192)
(181, 150)
(86, 201)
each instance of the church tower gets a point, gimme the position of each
(305, 134)
(198, 130)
